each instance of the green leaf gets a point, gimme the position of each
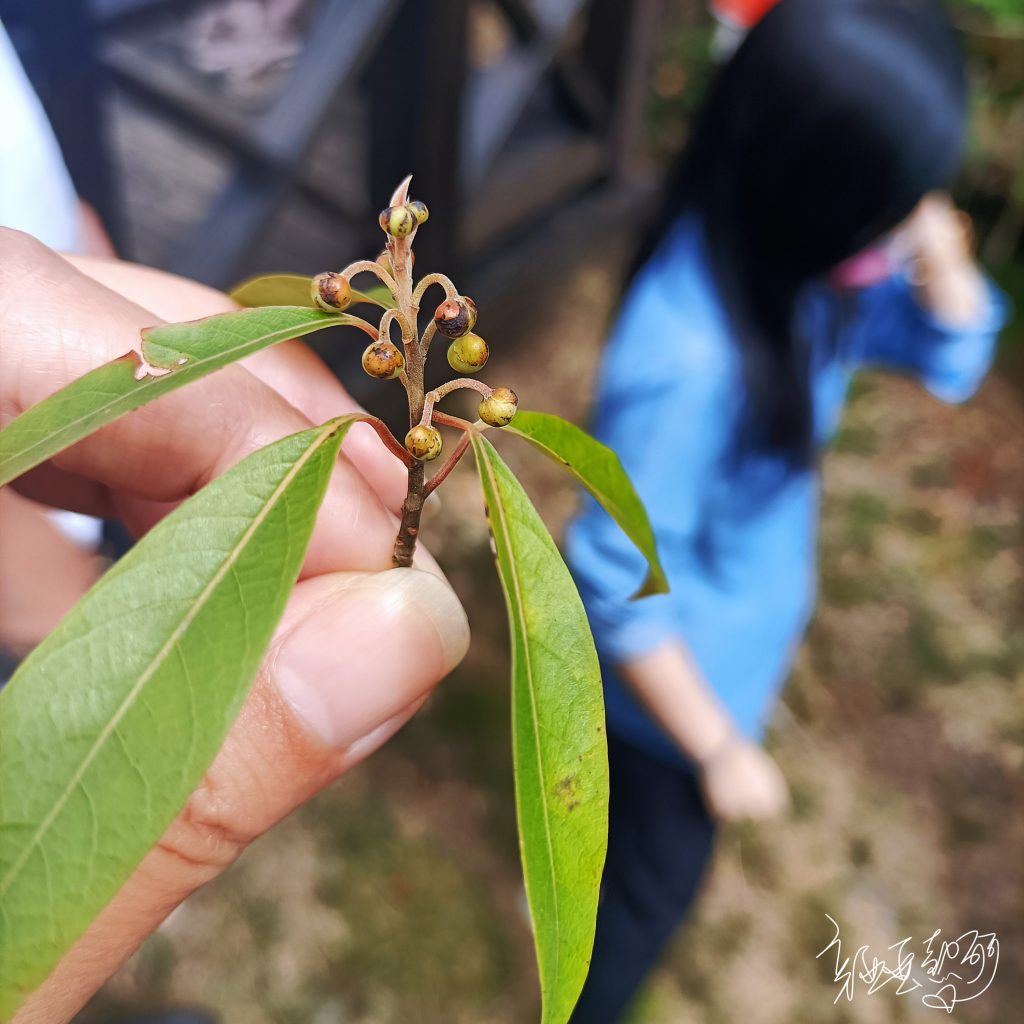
(294, 290)
(558, 739)
(173, 354)
(109, 724)
(598, 469)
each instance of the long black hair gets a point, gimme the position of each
(824, 130)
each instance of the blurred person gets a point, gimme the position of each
(328, 693)
(804, 235)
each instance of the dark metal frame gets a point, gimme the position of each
(457, 127)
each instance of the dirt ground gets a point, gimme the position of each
(395, 896)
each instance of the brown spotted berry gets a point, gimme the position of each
(423, 443)
(499, 408)
(452, 318)
(331, 292)
(383, 360)
(397, 221)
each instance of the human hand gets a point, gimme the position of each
(938, 232)
(328, 692)
(740, 780)
(939, 239)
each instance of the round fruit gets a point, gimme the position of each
(397, 221)
(418, 210)
(468, 354)
(423, 443)
(331, 292)
(499, 408)
(383, 360)
(452, 318)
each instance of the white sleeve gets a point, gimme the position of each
(36, 194)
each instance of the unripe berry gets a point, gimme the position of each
(423, 443)
(499, 408)
(397, 220)
(331, 292)
(418, 210)
(383, 360)
(452, 318)
(468, 354)
(471, 306)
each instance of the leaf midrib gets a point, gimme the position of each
(533, 712)
(11, 877)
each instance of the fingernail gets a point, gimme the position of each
(373, 644)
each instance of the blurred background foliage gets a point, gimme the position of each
(395, 896)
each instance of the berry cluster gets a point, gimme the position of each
(386, 359)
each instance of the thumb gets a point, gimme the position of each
(354, 657)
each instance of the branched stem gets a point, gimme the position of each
(390, 441)
(370, 267)
(392, 315)
(446, 389)
(450, 290)
(428, 336)
(453, 460)
(443, 419)
(400, 250)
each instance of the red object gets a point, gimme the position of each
(745, 13)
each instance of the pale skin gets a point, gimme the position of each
(739, 779)
(328, 692)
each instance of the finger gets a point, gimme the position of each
(292, 369)
(168, 296)
(166, 450)
(334, 686)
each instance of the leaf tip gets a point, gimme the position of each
(654, 584)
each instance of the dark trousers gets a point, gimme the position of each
(659, 842)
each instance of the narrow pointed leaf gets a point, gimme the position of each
(294, 290)
(558, 741)
(172, 355)
(599, 470)
(110, 723)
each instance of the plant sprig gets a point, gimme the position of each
(455, 318)
(57, 764)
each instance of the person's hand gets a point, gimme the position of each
(740, 780)
(328, 692)
(938, 232)
(939, 240)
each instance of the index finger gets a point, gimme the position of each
(291, 368)
(56, 324)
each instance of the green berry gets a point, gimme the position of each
(452, 318)
(397, 221)
(383, 360)
(499, 408)
(423, 443)
(468, 354)
(471, 306)
(331, 292)
(418, 210)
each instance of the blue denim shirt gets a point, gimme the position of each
(739, 548)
